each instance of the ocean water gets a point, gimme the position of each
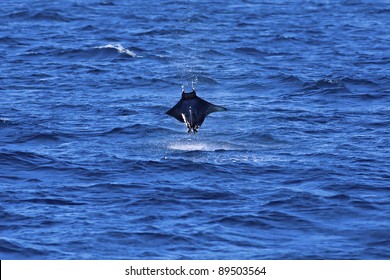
(91, 167)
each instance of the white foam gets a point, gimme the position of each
(238, 157)
(119, 48)
(248, 159)
(199, 146)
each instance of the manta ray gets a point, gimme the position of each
(192, 110)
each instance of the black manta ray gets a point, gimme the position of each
(192, 110)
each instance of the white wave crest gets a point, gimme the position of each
(119, 48)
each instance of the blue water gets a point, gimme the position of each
(92, 168)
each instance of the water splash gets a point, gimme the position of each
(200, 145)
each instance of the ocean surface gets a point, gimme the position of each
(91, 167)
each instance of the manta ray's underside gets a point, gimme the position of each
(192, 110)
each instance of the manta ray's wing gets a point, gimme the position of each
(204, 108)
(176, 111)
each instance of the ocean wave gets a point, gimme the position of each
(251, 86)
(9, 40)
(249, 159)
(105, 52)
(196, 193)
(39, 137)
(7, 216)
(261, 138)
(242, 221)
(205, 80)
(324, 83)
(44, 15)
(134, 129)
(18, 15)
(349, 87)
(14, 249)
(5, 121)
(51, 201)
(128, 130)
(250, 51)
(162, 32)
(106, 3)
(50, 15)
(339, 82)
(283, 38)
(25, 159)
(212, 53)
(119, 48)
(287, 78)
